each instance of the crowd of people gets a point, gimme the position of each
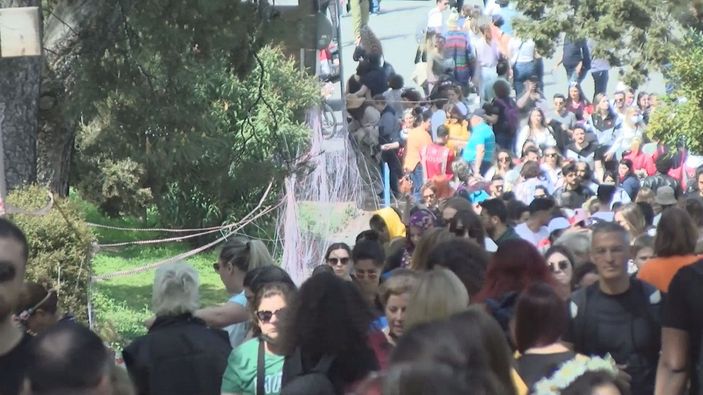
(447, 297)
(480, 103)
(537, 248)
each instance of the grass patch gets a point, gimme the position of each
(93, 215)
(122, 304)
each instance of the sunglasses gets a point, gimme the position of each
(266, 315)
(504, 159)
(551, 155)
(559, 266)
(7, 272)
(216, 266)
(336, 261)
(619, 100)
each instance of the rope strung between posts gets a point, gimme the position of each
(205, 231)
(246, 220)
(93, 225)
(167, 240)
(187, 254)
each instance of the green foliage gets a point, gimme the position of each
(174, 115)
(682, 120)
(60, 246)
(639, 34)
(121, 305)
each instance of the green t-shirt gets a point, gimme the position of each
(240, 375)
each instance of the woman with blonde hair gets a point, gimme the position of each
(632, 128)
(395, 295)
(439, 295)
(428, 241)
(631, 218)
(238, 256)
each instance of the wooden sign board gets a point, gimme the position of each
(19, 32)
(286, 3)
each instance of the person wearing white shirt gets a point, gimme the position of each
(536, 131)
(435, 18)
(487, 55)
(535, 229)
(522, 57)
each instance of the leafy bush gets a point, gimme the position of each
(60, 246)
(680, 118)
(198, 173)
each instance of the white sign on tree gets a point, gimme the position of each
(19, 32)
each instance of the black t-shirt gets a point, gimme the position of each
(375, 80)
(683, 310)
(534, 367)
(626, 326)
(13, 366)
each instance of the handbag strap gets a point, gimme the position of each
(261, 370)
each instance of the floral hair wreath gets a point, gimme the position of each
(571, 370)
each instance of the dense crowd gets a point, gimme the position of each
(448, 297)
(536, 248)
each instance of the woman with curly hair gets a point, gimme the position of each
(328, 324)
(369, 45)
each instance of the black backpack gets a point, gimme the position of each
(312, 382)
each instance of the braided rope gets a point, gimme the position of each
(246, 220)
(185, 255)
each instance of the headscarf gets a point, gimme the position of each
(423, 219)
(395, 226)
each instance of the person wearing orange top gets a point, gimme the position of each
(674, 245)
(418, 138)
(458, 129)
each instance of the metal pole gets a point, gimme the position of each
(386, 185)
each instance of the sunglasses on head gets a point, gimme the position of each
(266, 315)
(561, 265)
(335, 261)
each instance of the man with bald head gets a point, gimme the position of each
(69, 358)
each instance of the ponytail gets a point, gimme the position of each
(258, 254)
(245, 254)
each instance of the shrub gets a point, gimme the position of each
(60, 246)
(680, 118)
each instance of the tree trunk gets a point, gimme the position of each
(73, 26)
(19, 97)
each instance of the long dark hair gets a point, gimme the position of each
(337, 246)
(329, 317)
(540, 317)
